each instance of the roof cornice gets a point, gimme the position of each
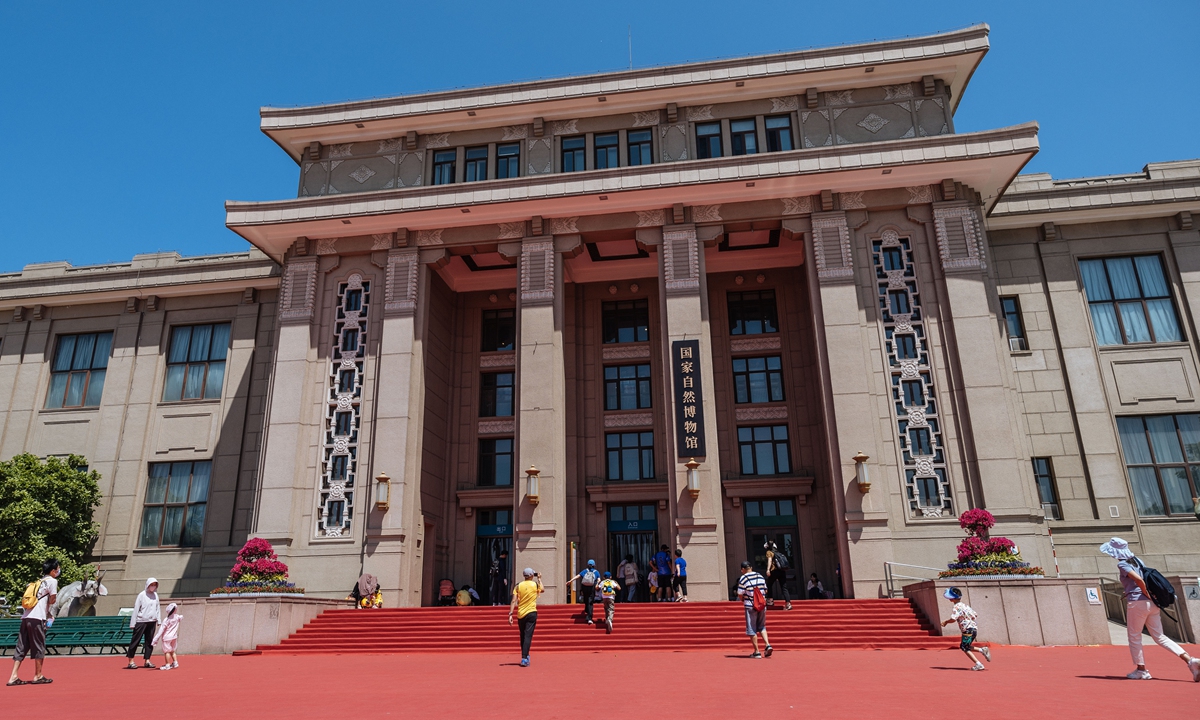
(987, 161)
(952, 56)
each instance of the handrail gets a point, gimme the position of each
(890, 576)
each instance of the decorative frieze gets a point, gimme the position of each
(298, 290)
(626, 352)
(798, 205)
(429, 237)
(759, 343)
(907, 363)
(852, 200)
(564, 226)
(564, 127)
(706, 213)
(646, 119)
(506, 426)
(681, 262)
(327, 246)
(511, 231)
(381, 241)
(831, 246)
(673, 142)
(400, 293)
(791, 103)
(699, 113)
(628, 420)
(754, 414)
(498, 360)
(958, 237)
(651, 218)
(920, 194)
(537, 271)
(515, 132)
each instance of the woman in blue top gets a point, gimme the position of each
(1140, 611)
(680, 576)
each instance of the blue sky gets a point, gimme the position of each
(127, 129)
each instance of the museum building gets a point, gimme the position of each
(712, 305)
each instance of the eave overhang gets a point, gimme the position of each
(951, 57)
(1096, 203)
(986, 161)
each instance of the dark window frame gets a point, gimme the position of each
(486, 474)
(444, 171)
(1047, 484)
(776, 134)
(578, 155)
(743, 374)
(494, 327)
(615, 456)
(1143, 299)
(1014, 322)
(622, 314)
(179, 372)
(508, 160)
(752, 444)
(743, 142)
(643, 395)
(186, 507)
(645, 148)
(91, 382)
(749, 306)
(491, 401)
(1191, 468)
(475, 164)
(705, 143)
(612, 150)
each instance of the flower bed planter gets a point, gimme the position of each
(217, 596)
(992, 577)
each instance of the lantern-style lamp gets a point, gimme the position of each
(531, 489)
(383, 491)
(693, 478)
(860, 471)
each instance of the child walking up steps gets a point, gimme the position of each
(965, 616)
(168, 632)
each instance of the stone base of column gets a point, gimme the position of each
(537, 547)
(705, 554)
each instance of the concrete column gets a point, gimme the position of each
(843, 333)
(393, 553)
(990, 417)
(281, 485)
(540, 540)
(697, 524)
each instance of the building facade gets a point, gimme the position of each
(708, 306)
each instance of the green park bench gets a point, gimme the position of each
(102, 634)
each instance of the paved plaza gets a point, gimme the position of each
(1025, 682)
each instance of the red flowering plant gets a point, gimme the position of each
(257, 570)
(980, 555)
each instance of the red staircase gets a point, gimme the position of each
(811, 625)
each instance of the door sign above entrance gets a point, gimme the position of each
(689, 399)
(493, 530)
(632, 525)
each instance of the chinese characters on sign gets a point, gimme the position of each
(689, 400)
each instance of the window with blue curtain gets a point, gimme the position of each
(176, 501)
(78, 369)
(196, 362)
(1162, 455)
(1129, 300)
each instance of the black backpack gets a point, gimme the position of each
(1161, 592)
(781, 561)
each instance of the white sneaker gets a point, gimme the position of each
(1194, 666)
(1139, 675)
(987, 653)
(978, 666)
(166, 667)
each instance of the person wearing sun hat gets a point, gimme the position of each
(1140, 611)
(965, 616)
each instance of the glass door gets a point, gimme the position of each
(493, 536)
(774, 521)
(632, 530)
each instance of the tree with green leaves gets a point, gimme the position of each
(45, 512)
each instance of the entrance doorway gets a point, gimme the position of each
(774, 521)
(493, 535)
(632, 530)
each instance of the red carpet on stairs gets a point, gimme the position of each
(811, 624)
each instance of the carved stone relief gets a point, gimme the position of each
(537, 271)
(298, 290)
(831, 246)
(400, 295)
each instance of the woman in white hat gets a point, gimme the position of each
(1140, 611)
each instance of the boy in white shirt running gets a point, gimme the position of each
(966, 625)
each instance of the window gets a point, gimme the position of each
(1122, 292)
(1047, 494)
(494, 517)
(626, 321)
(758, 379)
(77, 373)
(443, 166)
(627, 387)
(630, 455)
(764, 450)
(1011, 308)
(499, 330)
(176, 497)
(784, 507)
(477, 162)
(914, 393)
(496, 462)
(752, 313)
(906, 346)
(573, 149)
(742, 138)
(779, 133)
(631, 514)
(639, 148)
(607, 152)
(496, 395)
(1162, 454)
(708, 140)
(196, 362)
(508, 161)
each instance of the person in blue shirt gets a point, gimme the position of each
(588, 578)
(680, 576)
(662, 561)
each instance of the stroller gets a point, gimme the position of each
(445, 592)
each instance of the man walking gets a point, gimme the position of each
(524, 604)
(752, 589)
(662, 561)
(498, 587)
(31, 639)
(680, 576)
(588, 579)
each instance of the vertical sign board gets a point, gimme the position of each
(689, 399)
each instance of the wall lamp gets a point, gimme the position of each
(531, 489)
(693, 478)
(860, 471)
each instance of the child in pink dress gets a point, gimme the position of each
(168, 632)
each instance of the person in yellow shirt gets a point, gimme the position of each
(524, 604)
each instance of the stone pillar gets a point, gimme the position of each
(394, 554)
(990, 419)
(843, 333)
(540, 540)
(281, 488)
(696, 524)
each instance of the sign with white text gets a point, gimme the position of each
(689, 399)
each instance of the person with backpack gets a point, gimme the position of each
(662, 561)
(777, 565)
(1146, 591)
(627, 572)
(608, 593)
(587, 578)
(752, 589)
(39, 597)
